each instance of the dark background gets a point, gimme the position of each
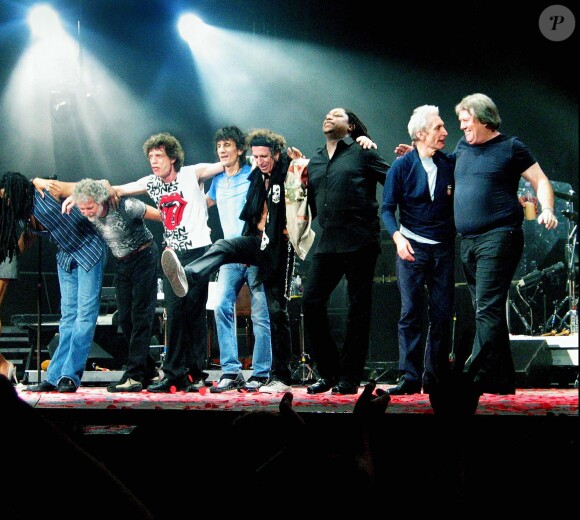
(295, 61)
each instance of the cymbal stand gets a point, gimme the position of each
(558, 306)
(304, 372)
(571, 317)
(528, 326)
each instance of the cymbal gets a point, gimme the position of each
(569, 195)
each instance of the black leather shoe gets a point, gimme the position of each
(484, 385)
(405, 387)
(454, 399)
(322, 385)
(196, 385)
(66, 386)
(44, 386)
(344, 387)
(167, 386)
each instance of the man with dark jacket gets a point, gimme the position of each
(421, 185)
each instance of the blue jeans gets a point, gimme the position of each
(246, 250)
(434, 267)
(230, 281)
(489, 263)
(80, 301)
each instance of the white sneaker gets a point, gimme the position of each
(253, 384)
(175, 273)
(274, 387)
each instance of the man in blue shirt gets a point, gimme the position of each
(228, 191)
(81, 258)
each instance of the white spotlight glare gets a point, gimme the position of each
(43, 21)
(190, 27)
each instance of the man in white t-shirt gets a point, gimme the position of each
(177, 193)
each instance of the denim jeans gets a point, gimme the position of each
(80, 301)
(434, 267)
(489, 263)
(230, 281)
(136, 287)
(246, 250)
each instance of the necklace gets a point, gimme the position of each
(228, 177)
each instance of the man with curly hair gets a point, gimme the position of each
(178, 194)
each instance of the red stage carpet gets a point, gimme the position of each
(526, 402)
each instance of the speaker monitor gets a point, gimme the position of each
(532, 360)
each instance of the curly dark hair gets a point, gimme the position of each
(170, 144)
(16, 202)
(233, 133)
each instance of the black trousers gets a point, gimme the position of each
(246, 250)
(489, 263)
(326, 271)
(186, 326)
(136, 287)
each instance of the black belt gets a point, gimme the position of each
(138, 250)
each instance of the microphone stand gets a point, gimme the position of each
(39, 311)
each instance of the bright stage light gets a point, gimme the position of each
(192, 29)
(65, 114)
(44, 21)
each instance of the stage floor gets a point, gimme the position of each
(534, 357)
(526, 402)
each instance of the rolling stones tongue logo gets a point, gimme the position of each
(172, 208)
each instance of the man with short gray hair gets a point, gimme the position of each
(135, 260)
(421, 185)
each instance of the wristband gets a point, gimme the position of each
(551, 209)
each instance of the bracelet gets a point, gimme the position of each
(551, 209)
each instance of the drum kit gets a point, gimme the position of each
(535, 288)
